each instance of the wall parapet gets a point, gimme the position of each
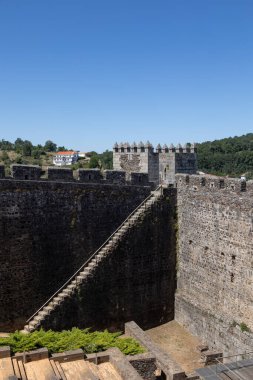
(35, 173)
(141, 147)
(212, 183)
(169, 366)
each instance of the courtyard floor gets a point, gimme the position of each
(179, 343)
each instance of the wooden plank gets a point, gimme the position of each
(40, 370)
(16, 368)
(78, 370)
(58, 366)
(21, 369)
(93, 368)
(56, 371)
(6, 369)
(108, 372)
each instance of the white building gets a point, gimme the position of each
(65, 158)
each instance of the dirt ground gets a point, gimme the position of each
(179, 343)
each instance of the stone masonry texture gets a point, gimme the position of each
(47, 231)
(135, 282)
(214, 297)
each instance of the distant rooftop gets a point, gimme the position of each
(67, 152)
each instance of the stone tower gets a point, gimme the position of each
(161, 165)
(139, 158)
(174, 160)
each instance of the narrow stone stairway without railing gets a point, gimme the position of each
(90, 265)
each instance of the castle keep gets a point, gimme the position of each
(102, 249)
(161, 165)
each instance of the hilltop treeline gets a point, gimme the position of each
(26, 148)
(24, 152)
(230, 156)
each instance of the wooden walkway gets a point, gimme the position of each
(66, 366)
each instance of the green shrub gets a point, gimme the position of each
(65, 340)
(244, 327)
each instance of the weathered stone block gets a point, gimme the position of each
(29, 172)
(139, 179)
(115, 177)
(60, 174)
(89, 175)
(2, 172)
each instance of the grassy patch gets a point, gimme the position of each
(69, 340)
(244, 327)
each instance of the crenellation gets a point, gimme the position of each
(2, 171)
(115, 176)
(25, 172)
(212, 183)
(139, 179)
(161, 164)
(89, 175)
(59, 174)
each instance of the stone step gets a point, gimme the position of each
(58, 298)
(56, 303)
(48, 308)
(100, 255)
(92, 265)
(26, 329)
(71, 286)
(81, 277)
(67, 291)
(63, 294)
(37, 318)
(43, 313)
(33, 323)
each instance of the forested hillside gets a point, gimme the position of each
(230, 156)
(24, 152)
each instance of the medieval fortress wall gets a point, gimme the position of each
(48, 227)
(214, 297)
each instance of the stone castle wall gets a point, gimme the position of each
(47, 230)
(34, 172)
(135, 282)
(215, 260)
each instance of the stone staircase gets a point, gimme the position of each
(90, 265)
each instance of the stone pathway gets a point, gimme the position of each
(179, 343)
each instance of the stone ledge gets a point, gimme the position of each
(169, 367)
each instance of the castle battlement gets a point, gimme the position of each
(35, 173)
(161, 163)
(212, 183)
(148, 147)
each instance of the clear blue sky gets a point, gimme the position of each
(87, 73)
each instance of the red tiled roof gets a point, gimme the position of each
(68, 152)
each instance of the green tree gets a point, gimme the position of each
(6, 145)
(4, 156)
(50, 146)
(94, 161)
(27, 148)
